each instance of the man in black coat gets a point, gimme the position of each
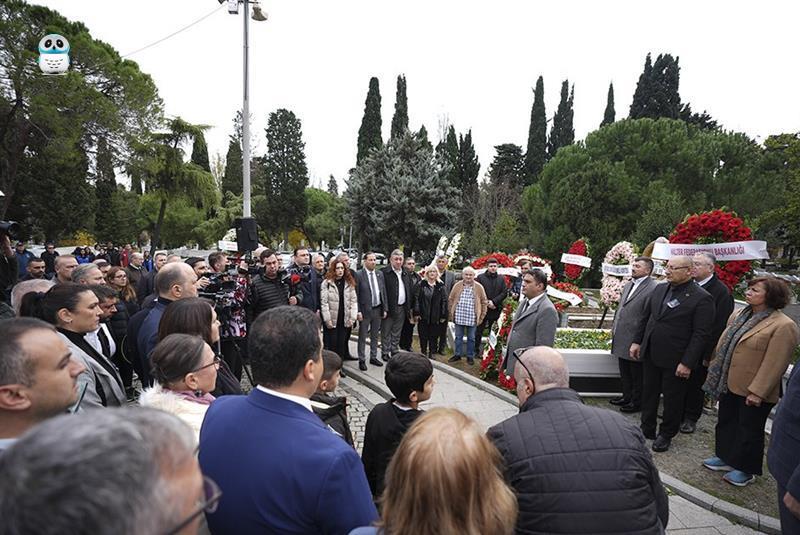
(496, 291)
(407, 334)
(147, 284)
(572, 465)
(670, 345)
(49, 256)
(703, 274)
(783, 457)
(398, 294)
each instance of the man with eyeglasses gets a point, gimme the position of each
(49, 256)
(141, 461)
(571, 464)
(670, 345)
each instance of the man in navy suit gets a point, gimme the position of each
(280, 469)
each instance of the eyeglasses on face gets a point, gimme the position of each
(518, 354)
(211, 496)
(214, 363)
(674, 268)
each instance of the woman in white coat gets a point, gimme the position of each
(339, 308)
(185, 371)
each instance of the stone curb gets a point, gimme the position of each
(369, 382)
(478, 383)
(740, 515)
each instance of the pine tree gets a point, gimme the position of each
(536, 155)
(232, 179)
(422, 135)
(610, 115)
(562, 132)
(467, 170)
(400, 119)
(333, 186)
(447, 149)
(286, 173)
(657, 92)
(105, 184)
(508, 166)
(200, 152)
(369, 135)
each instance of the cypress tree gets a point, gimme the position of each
(400, 119)
(200, 152)
(657, 92)
(369, 135)
(609, 115)
(105, 185)
(508, 166)
(642, 93)
(232, 179)
(562, 132)
(467, 172)
(422, 136)
(333, 186)
(447, 149)
(536, 155)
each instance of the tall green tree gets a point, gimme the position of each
(286, 174)
(325, 217)
(448, 150)
(62, 117)
(333, 186)
(369, 135)
(562, 133)
(232, 179)
(105, 183)
(422, 135)
(536, 154)
(401, 195)
(657, 93)
(508, 166)
(200, 152)
(702, 120)
(467, 178)
(168, 178)
(610, 115)
(400, 119)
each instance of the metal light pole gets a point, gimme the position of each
(246, 211)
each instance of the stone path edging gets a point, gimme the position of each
(735, 513)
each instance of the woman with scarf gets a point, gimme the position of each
(185, 370)
(745, 376)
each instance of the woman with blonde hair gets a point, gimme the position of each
(445, 477)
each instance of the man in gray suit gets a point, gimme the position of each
(535, 320)
(372, 308)
(631, 314)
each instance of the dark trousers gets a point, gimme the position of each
(630, 373)
(407, 335)
(337, 340)
(655, 381)
(487, 322)
(125, 369)
(790, 524)
(442, 337)
(370, 324)
(428, 337)
(695, 397)
(231, 351)
(740, 433)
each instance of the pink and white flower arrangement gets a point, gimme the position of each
(623, 253)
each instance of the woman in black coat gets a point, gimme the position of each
(430, 310)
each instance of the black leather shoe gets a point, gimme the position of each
(619, 401)
(688, 427)
(350, 357)
(385, 358)
(342, 373)
(454, 358)
(630, 407)
(362, 366)
(470, 361)
(661, 443)
(376, 362)
(650, 435)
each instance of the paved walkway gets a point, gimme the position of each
(450, 391)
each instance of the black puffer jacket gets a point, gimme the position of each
(579, 469)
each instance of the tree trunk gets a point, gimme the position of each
(155, 242)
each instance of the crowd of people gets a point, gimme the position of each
(83, 448)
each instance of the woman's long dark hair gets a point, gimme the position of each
(45, 306)
(187, 316)
(348, 275)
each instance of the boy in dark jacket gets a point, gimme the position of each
(332, 410)
(409, 376)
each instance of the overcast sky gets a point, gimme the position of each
(473, 63)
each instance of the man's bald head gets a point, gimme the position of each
(176, 281)
(547, 370)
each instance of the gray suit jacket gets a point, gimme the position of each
(94, 373)
(630, 317)
(364, 292)
(534, 327)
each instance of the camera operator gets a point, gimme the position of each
(9, 268)
(274, 287)
(301, 265)
(229, 290)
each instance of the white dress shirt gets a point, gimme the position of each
(636, 283)
(401, 288)
(94, 340)
(305, 402)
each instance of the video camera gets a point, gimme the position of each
(10, 228)
(293, 276)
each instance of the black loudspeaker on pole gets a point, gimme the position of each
(246, 234)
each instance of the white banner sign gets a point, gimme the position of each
(492, 339)
(737, 250)
(571, 298)
(658, 269)
(623, 270)
(510, 271)
(224, 245)
(576, 259)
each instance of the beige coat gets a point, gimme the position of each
(329, 304)
(481, 305)
(761, 357)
